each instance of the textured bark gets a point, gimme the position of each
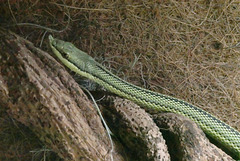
(186, 141)
(137, 130)
(38, 92)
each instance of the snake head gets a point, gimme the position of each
(64, 48)
(71, 56)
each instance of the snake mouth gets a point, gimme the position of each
(50, 38)
(53, 43)
(63, 54)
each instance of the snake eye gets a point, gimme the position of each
(65, 55)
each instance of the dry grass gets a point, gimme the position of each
(186, 49)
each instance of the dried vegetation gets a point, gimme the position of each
(186, 49)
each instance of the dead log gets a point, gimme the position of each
(185, 139)
(37, 91)
(136, 130)
(141, 134)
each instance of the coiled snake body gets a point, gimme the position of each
(86, 66)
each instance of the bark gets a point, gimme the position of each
(38, 92)
(136, 129)
(186, 141)
(141, 134)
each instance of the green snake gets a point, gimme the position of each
(86, 66)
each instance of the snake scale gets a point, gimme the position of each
(86, 66)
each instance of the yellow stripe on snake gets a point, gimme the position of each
(86, 66)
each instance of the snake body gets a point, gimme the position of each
(86, 66)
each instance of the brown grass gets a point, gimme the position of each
(186, 49)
